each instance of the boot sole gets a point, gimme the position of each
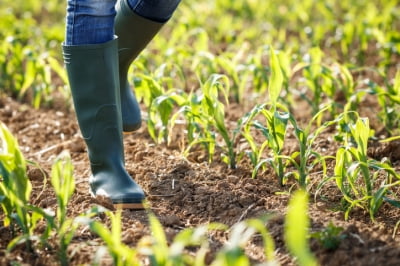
(107, 202)
(130, 206)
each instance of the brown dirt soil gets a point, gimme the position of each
(186, 192)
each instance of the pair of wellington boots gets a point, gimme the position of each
(106, 106)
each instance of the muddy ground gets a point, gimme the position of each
(186, 192)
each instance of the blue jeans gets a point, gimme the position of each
(92, 21)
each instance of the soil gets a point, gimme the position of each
(187, 192)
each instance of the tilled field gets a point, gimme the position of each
(187, 192)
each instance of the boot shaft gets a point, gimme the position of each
(94, 81)
(134, 33)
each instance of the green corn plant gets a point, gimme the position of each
(389, 100)
(160, 252)
(240, 72)
(343, 96)
(260, 77)
(13, 173)
(274, 131)
(390, 48)
(260, 81)
(330, 236)
(357, 176)
(318, 79)
(170, 75)
(296, 229)
(147, 88)
(150, 82)
(215, 111)
(347, 84)
(192, 237)
(15, 190)
(259, 73)
(204, 64)
(166, 107)
(285, 57)
(306, 158)
(120, 253)
(276, 79)
(232, 253)
(64, 185)
(275, 124)
(160, 113)
(359, 34)
(246, 123)
(269, 246)
(199, 131)
(205, 118)
(160, 104)
(385, 32)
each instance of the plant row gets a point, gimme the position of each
(23, 219)
(262, 133)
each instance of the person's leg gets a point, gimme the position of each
(136, 23)
(89, 21)
(91, 59)
(155, 10)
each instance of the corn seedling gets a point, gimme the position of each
(274, 131)
(241, 73)
(159, 102)
(240, 234)
(120, 253)
(64, 186)
(233, 251)
(296, 229)
(389, 100)
(205, 118)
(306, 159)
(321, 82)
(160, 252)
(330, 236)
(275, 125)
(357, 176)
(192, 238)
(161, 110)
(199, 131)
(147, 88)
(15, 190)
(215, 110)
(204, 65)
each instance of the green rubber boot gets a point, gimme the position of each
(93, 75)
(134, 33)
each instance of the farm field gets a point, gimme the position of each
(246, 105)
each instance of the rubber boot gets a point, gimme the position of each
(134, 33)
(93, 75)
